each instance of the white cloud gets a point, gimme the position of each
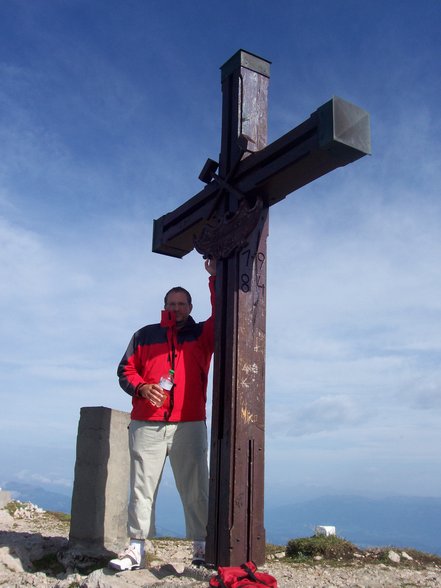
(325, 413)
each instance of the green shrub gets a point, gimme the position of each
(334, 548)
(12, 506)
(63, 517)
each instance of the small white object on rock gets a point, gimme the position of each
(325, 530)
(405, 555)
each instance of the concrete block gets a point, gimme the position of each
(101, 485)
(5, 497)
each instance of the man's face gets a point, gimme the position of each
(177, 302)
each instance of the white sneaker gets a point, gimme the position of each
(198, 553)
(129, 559)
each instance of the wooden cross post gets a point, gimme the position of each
(228, 220)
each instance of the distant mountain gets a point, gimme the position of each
(42, 497)
(400, 521)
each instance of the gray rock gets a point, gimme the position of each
(394, 556)
(9, 561)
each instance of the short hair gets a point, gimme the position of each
(176, 290)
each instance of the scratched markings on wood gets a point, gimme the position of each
(252, 126)
(252, 303)
(248, 489)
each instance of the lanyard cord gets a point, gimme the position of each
(173, 355)
(171, 360)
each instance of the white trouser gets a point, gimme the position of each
(186, 445)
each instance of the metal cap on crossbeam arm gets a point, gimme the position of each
(344, 126)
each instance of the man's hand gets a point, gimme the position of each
(210, 266)
(153, 393)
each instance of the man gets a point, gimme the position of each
(168, 424)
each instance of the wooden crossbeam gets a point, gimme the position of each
(336, 134)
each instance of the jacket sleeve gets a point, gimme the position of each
(128, 371)
(208, 330)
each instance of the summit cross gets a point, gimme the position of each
(228, 221)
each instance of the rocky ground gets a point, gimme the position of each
(34, 552)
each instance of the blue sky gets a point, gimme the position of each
(108, 111)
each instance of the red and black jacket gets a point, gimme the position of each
(153, 351)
